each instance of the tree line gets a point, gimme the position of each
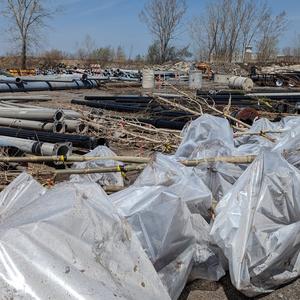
(220, 33)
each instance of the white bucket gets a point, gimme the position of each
(195, 80)
(148, 79)
(243, 83)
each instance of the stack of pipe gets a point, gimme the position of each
(40, 118)
(280, 101)
(44, 83)
(80, 141)
(160, 115)
(64, 82)
(40, 130)
(239, 98)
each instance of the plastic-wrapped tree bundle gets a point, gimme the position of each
(290, 122)
(178, 179)
(289, 145)
(219, 177)
(163, 225)
(206, 132)
(102, 179)
(257, 225)
(158, 207)
(69, 243)
(253, 144)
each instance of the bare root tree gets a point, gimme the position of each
(228, 26)
(163, 18)
(270, 31)
(27, 18)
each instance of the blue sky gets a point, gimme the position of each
(116, 22)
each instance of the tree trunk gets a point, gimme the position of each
(24, 54)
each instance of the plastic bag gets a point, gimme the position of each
(103, 179)
(158, 207)
(69, 243)
(258, 225)
(219, 177)
(201, 133)
(166, 171)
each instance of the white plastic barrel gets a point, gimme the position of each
(148, 79)
(195, 80)
(242, 83)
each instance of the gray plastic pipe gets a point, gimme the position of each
(57, 127)
(32, 114)
(39, 148)
(69, 114)
(6, 86)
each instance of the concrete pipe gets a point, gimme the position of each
(71, 114)
(32, 114)
(58, 127)
(242, 83)
(76, 126)
(39, 148)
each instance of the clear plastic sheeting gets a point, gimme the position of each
(162, 222)
(158, 207)
(103, 179)
(202, 133)
(69, 243)
(219, 177)
(182, 181)
(253, 144)
(209, 261)
(257, 225)
(289, 122)
(281, 132)
(18, 195)
(289, 146)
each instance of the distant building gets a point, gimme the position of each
(248, 56)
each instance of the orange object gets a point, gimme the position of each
(205, 68)
(20, 72)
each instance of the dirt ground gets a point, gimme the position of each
(199, 289)
(224, 290)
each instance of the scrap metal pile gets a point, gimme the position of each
(219, 195)
(276, 76)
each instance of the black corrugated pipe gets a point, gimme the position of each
(114, 107)
(126, 99)
(129, 104)
(161, 123)
(172, 113)
(80, 141)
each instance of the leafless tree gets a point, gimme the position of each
(27, 18)
(270, 31)
(86, 49)
(227, 27)
(296, 46)
(120, 56)
(163, 18)
(205, 31)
